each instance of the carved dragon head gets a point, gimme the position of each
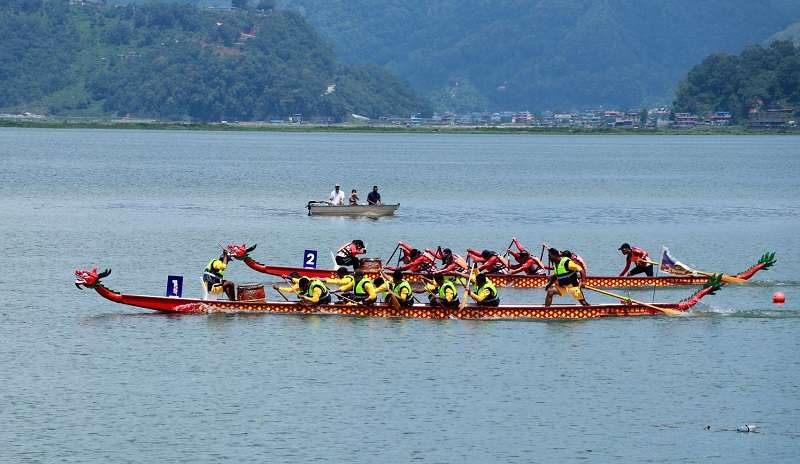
(239, 251)
(89, 279)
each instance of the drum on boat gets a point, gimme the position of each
(251, 292)
(370, 264)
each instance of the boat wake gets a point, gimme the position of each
(755, 313)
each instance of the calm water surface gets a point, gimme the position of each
(85, 380)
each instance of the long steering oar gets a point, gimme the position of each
(667, 311)
(728, 279)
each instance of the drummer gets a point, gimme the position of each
(347, 254)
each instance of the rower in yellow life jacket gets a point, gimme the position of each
(483, 292)
(214, 273)
(565, 278)
(398, 286)
(343, 279)
(364, 289)
(442, 292)
(314, 291)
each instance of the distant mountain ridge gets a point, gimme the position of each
(543, 54)
(174, 61)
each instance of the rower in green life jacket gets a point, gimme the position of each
(483, 292)
(397, 286)
(565, 279)
(213, 276)
(313, 291)
(442, 291)
(343, 279)
(363, 290)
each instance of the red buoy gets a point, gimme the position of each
(778, 298)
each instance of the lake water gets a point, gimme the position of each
(83, 379)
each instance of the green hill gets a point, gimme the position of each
(175, 61)
(543, 54)
(758, 77)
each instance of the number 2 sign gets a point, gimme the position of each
(310, 259)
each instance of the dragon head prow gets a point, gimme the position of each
(89, 278)
(239, 251)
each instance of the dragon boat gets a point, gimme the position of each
(242, 253)
(92, 279)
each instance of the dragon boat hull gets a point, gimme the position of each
(421, 311)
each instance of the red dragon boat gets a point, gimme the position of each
(91, 279)
(241, 252)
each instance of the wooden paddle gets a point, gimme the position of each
(728, 279)
(392, 298)
(280, 292)
(667, 311)
(463, 302)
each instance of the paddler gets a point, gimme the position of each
(364, 290)
(565, 278)
(491, 262)
(442, 291)
(637, 256)
(398, 286)
(347, 254)
(416, 261)
(313, 291)
(343, 279)
(452, 263)
(483, 292)
(576, 258)
(526, 263)
(213, 275)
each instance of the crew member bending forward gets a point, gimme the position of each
(639, 258)
(484, 292)
(347, 255)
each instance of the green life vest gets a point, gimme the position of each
(210, 269)
(490, 286)
(359, 289)
(443, 289)
(398, 289)
(563, 274)
(316, 283)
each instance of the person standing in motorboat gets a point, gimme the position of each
(337, 196)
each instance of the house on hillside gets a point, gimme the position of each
(685, 120)
(770, 118)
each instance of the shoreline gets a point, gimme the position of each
(348, 128)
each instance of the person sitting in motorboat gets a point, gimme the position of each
(565, 278)
(442, 291)
(343, 279)
(637, 256)
(483, 292)
(490, 261)
(337, 196)
(354, 198)
(526, 263)
(374, 198)
(347, 255)
(214, 273)
(313, 291)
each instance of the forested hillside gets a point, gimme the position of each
(543, 54)
(759, 77)
(176, 61)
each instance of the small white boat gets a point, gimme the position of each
(324, 208)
